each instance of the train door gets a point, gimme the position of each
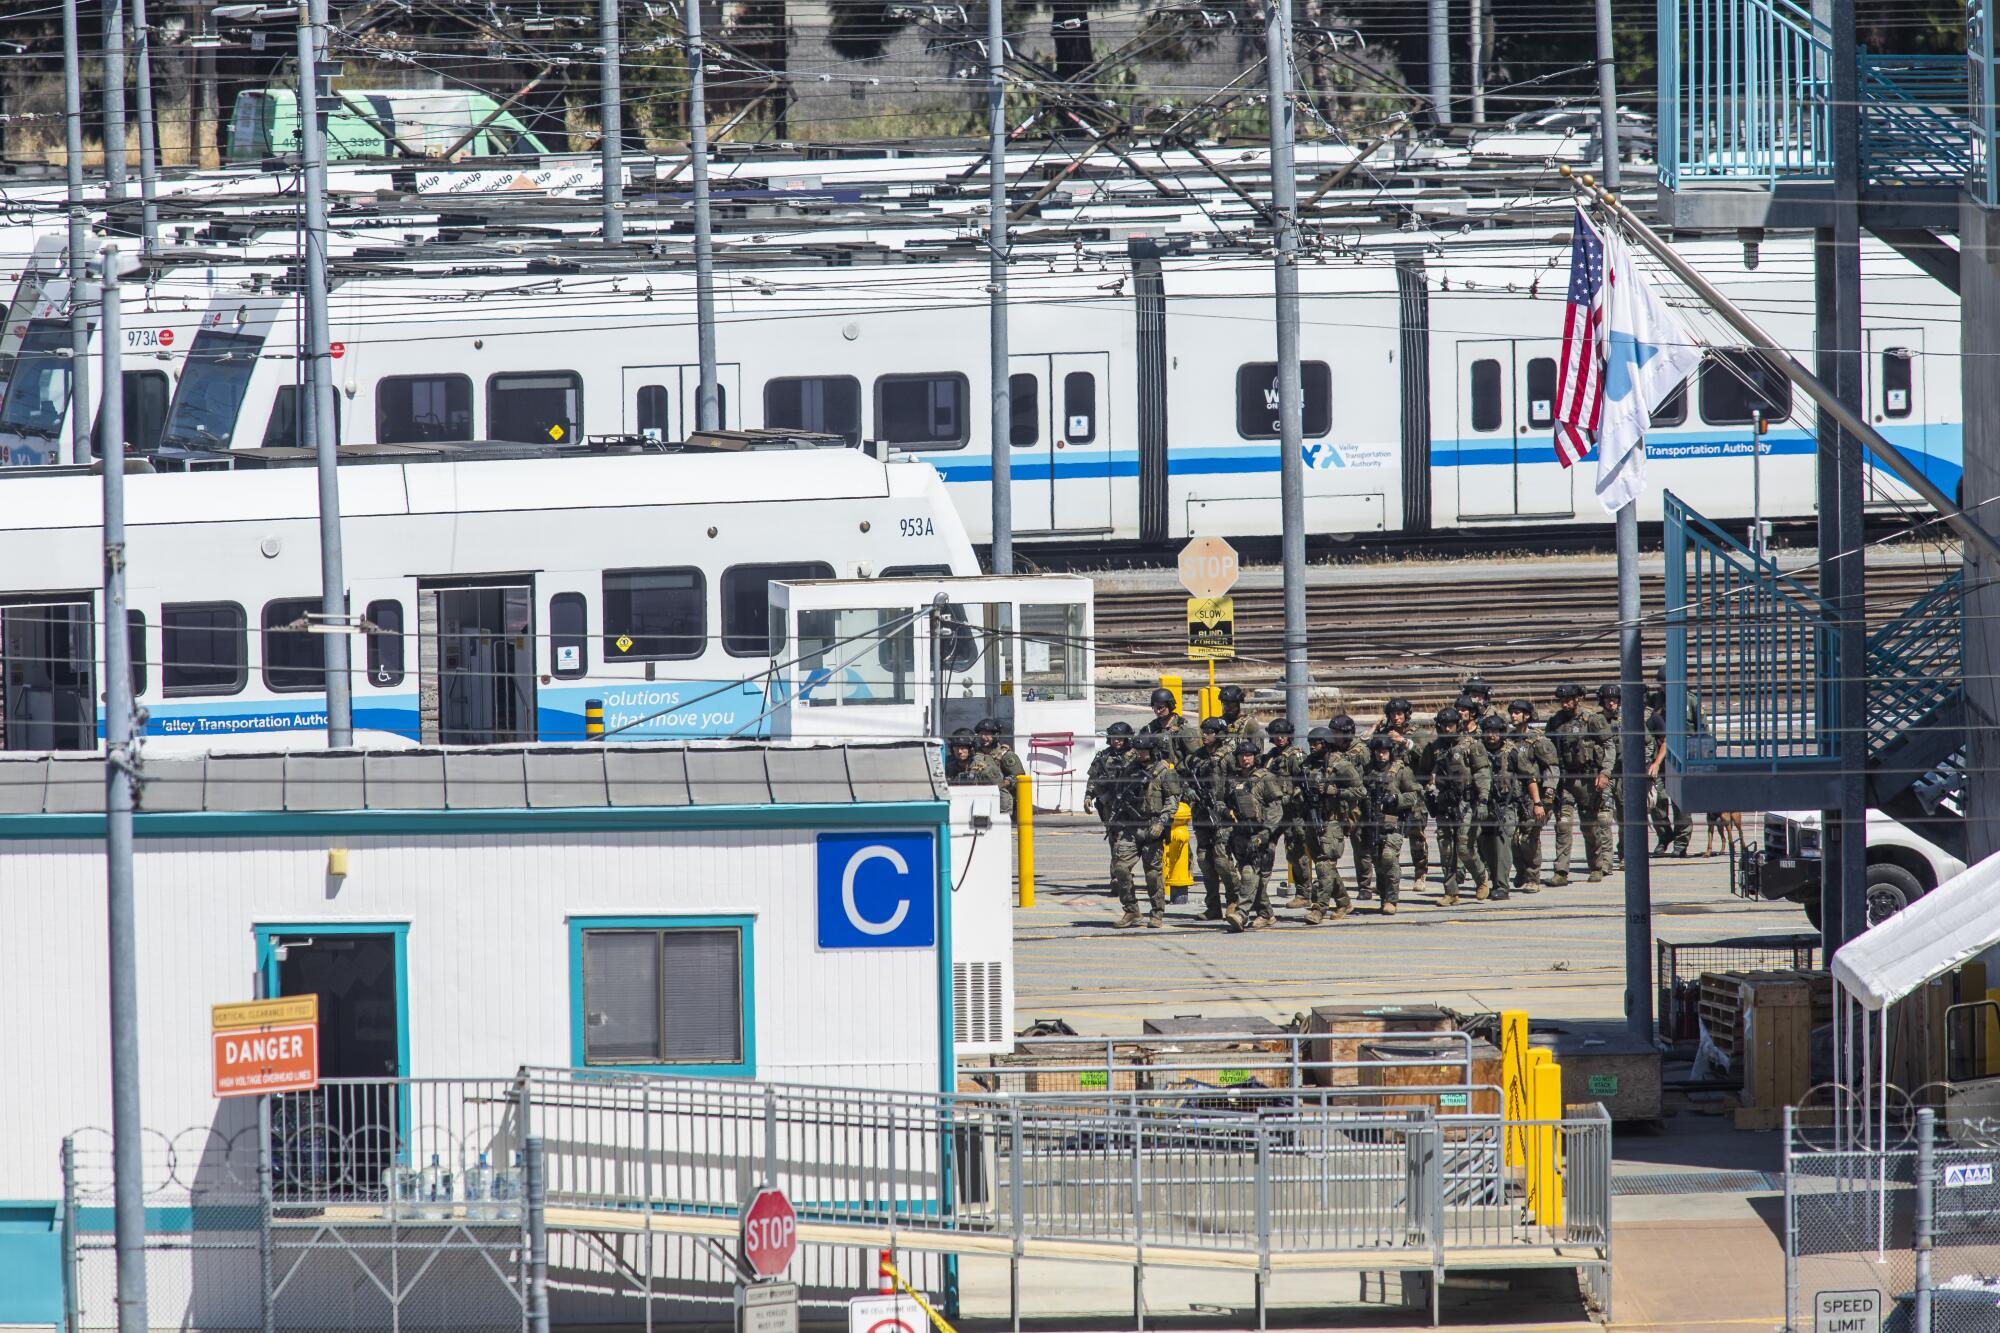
(476, 663)
(1059, 433)
(1894, 377)
(658, 402)
(48, 660)
(1506, 424)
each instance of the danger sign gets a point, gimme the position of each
(266, 1046)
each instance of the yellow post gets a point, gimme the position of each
(1024, 837)
(593, 719)
(1179, 854)
(1547, 1099)
(1173, 685)
(1211, 700)
(1513, 1076)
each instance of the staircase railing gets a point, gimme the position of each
(1914, 127)
(1750, 655)
(1743, 91)
(1916, 664)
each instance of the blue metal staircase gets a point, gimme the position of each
(1751, 654)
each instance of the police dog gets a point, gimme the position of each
(1730, 823)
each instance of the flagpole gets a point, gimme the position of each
(1782, 361)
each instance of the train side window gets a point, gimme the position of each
(822, 404)
(145, 395)
(569, 648)
(1080, 406)
(921, 411)
(286, 427)
(385, 643)
(204, 649)
(1735, 385)
(421, 409)
(294, 658)
(1487, 413)
(746, 596)
(653, 403)
(1673, 411)
(1897, 364)
(544, 407)
(1541, 392)
(135, 634)
(654, 614)
(1024, 410)
(1257, 399)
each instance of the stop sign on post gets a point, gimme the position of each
(770, 1232)
(1208, 567)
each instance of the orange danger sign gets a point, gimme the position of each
(280, 1058)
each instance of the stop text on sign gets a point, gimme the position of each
(770, 1233)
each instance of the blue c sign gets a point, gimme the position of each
(877, 891)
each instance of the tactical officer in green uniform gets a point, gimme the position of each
(1333, 802)
(1169, 723)
(1255, 801)
(1535, 817)
(1000, 752)
(1354, 749)
(1287, 763)
(1580, 740)
(1671, 825)
(1204, 774)
(1108, 791)
(1517, 781)
(1480, 691)
(1235, 721)
(1389, 792)
(1458, 781)
(1609, 701)
(1156, 788)
(968, 766)
(1396, 723)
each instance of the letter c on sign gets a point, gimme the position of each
(862, 923)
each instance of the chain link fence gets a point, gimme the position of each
(1906, 1228)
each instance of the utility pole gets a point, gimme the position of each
(996, 291)
(1440, 12)
(128, 1183)
(149, 173)
(79, 237)
(611, 147)
(706, 417)
(1285, 270)
(114, 99)
(334, 620)
(1632, 759)
(1475, 67)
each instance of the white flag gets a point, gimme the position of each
(1648, 352)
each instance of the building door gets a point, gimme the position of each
(659, 401)
(1059, 436)
(476, 677)
(1893, 374)
(1506, 392)
(342, 1135)
(48, 652)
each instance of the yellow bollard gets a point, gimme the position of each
(1024, 837)
(1513, 1075)
(1531, 1143)
(1546, 1095)
(1179, 851)
(1211, 697)
(593, 719)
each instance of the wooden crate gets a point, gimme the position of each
(1603, 1062)
(1054, 1072)
(1481, 1099)
(1259, 1053)
(1763, 1022)
(1338, 1032)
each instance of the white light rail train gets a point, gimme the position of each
(1142, 388)
(494, 596)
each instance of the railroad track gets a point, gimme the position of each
(1524, 628)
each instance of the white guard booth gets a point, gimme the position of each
(868, 658)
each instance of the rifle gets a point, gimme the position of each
(1377, 800)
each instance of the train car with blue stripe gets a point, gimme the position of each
(1140, 405)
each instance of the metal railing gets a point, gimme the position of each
(1743, 91)
(1982, 104)
(1916, 663)
(1915, 126)
(1756, 652)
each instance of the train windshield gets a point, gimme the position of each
(211, 390)
(38, 390)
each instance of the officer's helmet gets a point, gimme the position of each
(1279, 727)
(1568, 690)
(1467, 705)
(1523, 707)
(1320, 736)
(1147, 741)
(1342, 725)
(1447, 717)
(1118, 731)
(987, 727)
(1395, 706)
(1213, 726)
(1493, 725)
(1246, 748)
(1478, 685)
(1380, 743)
(1163, 698)
(1230, 695)
(1607, 694)
(962, 739)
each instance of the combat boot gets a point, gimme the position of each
(1345, 909)
(1484, 891)
(1233, 919)
(1499, 896)
(1596, 876)
(1156, 920)
(1126, 922)
(1388, 909)
(1314, 916)
(1299, 900)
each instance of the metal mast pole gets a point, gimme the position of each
(114, 99)
(611, 149)
(1631, 655)
(1475, 65)
(706, 417)
(996, 291)
(128, 1183)
(1285, 270)
(1440, 14)
(319, 371)
(149, 173)
(79, 237)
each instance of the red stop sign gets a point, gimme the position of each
(770, 1232)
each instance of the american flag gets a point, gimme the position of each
(1580, 380)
